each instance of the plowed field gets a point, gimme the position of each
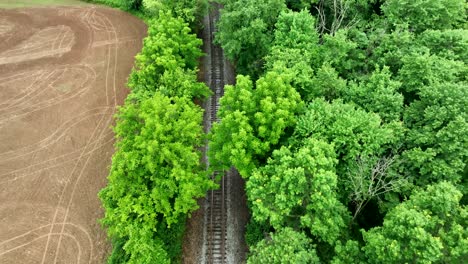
(62, 75)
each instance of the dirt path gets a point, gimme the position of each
(62, 75)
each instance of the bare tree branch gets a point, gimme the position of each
(371, 179)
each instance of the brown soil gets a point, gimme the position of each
(62, 75)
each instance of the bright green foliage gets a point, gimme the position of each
(348, 253)
(448, 44)
(378, 94)
(294, 49)
(294, 63)
(421, 70)
(183, 83)
(437, 141)
(246, 31)
(168, 46)
(276, 102)
(299, 188)
(336, 51)
(285, 246)
(144, 248)
(425, 14)
(430, 227)
(353, 131)
(188, 10)
(326, 83)
(252, 121)
(156, 174)
(233, 142)
(156, 148)
(295, 30)
(389, 48)
(386, 83)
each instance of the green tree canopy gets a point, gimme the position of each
(431, 227)
(168, 46)
(420, 15)
(299, 189)
(252, 121)
(353, 131)
(378, 93)
(246, 31)
(436, 142)
(284, 246)
(294, 49)
(156, 174)
(188, 10)
(448, 44)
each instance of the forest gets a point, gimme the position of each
(348, 122)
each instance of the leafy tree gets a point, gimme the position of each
(188, 10)
(420, 15)
(326, 83)
(448, 44)
(437, 147)
(299, 189)
(143, 247)
(233, 143)
(285, 246)
(338, 51)
(386, 86)
(420, 70)
(295, 49)
(378, 94)
(252, 121)
(348, 253)
(156, 174)
(430, 227)
(183, 83)
(353, 131)
(295, 30)
(246, 31)
(388, 48)
(277, 102)
(168, 46)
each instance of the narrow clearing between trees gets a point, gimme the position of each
(215, 232)
(62, 75)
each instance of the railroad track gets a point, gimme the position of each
(216, 234)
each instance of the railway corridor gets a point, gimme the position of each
(225, 212)
(215, 235)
